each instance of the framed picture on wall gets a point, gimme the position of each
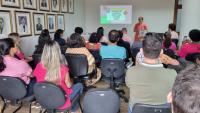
(11, 3)
(23, 23)
(55, 5)
(44, 5)
(71, 6)
(64, 6)
(39, 23)
(51, 22)
(30, 4)
(60, 21)
(5, 23)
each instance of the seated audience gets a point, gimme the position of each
(58, 37)
(43, 38)
(174, 34)
(112, 50)
(51, 69)
(126, 37)
(77, 46)
(12, 66)
(100, 34)
(193, 47)
(78, 30)
(186, 91)
(93, 43)
(149, 82)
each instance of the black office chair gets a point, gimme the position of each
(97, 56)
(101, 101)
(36, 59)
(78, 68)
(51, 97)
(14, 90)
(144, 108)
(114, 70)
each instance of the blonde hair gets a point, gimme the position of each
(52, 60)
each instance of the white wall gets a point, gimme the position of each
(157, 14)
(71, 20)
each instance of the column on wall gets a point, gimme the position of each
(190, 17)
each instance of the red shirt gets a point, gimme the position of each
(139, 29)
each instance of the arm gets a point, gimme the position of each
(67, 80)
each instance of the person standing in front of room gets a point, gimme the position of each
(140, 30)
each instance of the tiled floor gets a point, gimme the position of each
(101, 84)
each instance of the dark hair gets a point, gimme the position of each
(58, 33)
(172, 26)
(75, 41)
(78, 30)
(193, 57)
(152, 45)
(5, 47)
(120, 34)
(13, 34)
(194, 35)
(100, 31)
(43, 38)
(94, 38)
(167, 40)
(113, 36)
(186, 91)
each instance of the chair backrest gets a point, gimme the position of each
(101, 101)
(112, 66)
(78, 64)
(36, 59)
(12, 88)
(48, 95)
(144, 108)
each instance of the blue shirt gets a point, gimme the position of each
(113, 51)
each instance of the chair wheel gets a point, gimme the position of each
(126, 100)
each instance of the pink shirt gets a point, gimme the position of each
(172, 47)
(139, 30)
(16, 68)
(188, 48)
(40, 73)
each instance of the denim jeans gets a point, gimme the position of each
(77, 89)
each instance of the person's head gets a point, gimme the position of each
(38, 20)
(151, 46)
(16, 38)
(140, 19)
(186, 91)
(124, 30)
(75, 41)
(7, 47)
(52, 60)
(1, 22)
(54, 3)
(120, 34)
(167, 40)
(23, 21)
(195, 35)
(78, 30)
(43, 38)
(113, 36)
(100, 31)
(94, 38)
(172, 27)
(58, 34)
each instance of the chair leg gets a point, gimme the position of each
(20, 106)
(4, 105)
(80, 107)
(30, 107)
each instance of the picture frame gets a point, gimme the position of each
(39, 22)
(23, 23)
(51, 23)
(30, 4)
(60, 21)
(10, 3)
(71, 6)
(64, 6)
(55, 5)
(5, 23)
(44, 5)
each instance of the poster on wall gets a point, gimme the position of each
(44, 5)
(51, 22)
(23, 23)
(39, 22)
(5, 23)
(55, 5)
(60, 22)
(71, 6)
(11, 3)
(64, 6)
(30, 4)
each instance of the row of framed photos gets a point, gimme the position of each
(23, 22)
(63, 6)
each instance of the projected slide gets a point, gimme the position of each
(112, 14)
